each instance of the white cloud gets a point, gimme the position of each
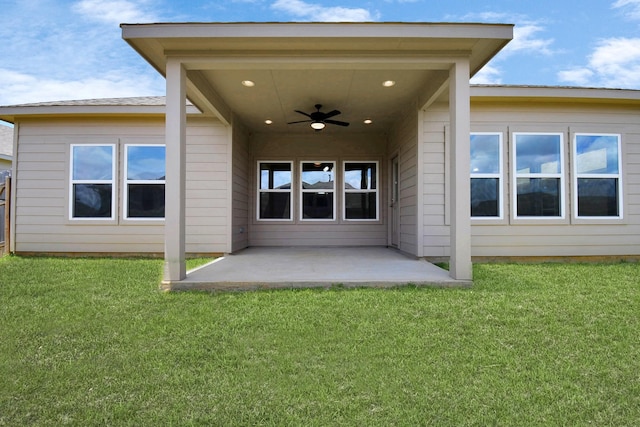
(21, 88)
(525, 40)
(114, 12)
(488, 75)
(318, 13)
(615, 62)
(631, 6)
(526, 33)
(579, 76)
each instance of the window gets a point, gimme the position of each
(486, 175)
(144, 181)
(538, 159)
(92, 182)
(361, 191)
(318, 191)
(274, 190)
(597, 175)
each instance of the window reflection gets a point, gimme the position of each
(145, 163)
(92, 162)
(317, 186)
(486, 175)
(598, 177)
(597, 154)
(485, 153)
(274, 191)
(318, 175)
(538, 154)
(275, 176)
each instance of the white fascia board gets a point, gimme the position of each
(299, 30)
(554, 92)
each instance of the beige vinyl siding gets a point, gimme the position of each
(241, 188)
(403, 142)
(569, 237)
(435, 243)
(311, 147)
(42, 184)
(207, 186)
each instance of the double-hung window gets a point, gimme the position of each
(92, 189)
(361, 191)
(274, 191)
(144, 195)
(597, 176)
(317, 184)
(486, 175)
(538, 160)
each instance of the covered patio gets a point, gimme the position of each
(309, 267)
(383, 81)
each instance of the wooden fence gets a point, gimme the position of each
(5, 225)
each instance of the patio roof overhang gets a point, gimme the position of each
(297, 65)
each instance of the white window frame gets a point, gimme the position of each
(577, 175)
(559, 175)
(274, 190)
(112, 181)
(311, 190)
(126, 182)
(346, 191)
(499, 175)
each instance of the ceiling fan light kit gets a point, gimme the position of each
(319, 120)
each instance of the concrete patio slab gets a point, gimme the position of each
(302, 267)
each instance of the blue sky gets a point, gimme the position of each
(72, 49)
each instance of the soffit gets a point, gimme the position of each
(295, 66)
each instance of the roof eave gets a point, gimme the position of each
(553, 94)
(11, 113)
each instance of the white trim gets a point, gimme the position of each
(310, 190)
(577, 175)
(112, 181)
(558, 175)
(499, 175)
(274, 190)
(126, 181)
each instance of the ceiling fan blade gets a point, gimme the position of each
(300, 121)
(336, 122)
(303, 113)
(331, 114)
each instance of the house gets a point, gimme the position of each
(6, 150)
(330, 134)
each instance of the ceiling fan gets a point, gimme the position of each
(319, 119)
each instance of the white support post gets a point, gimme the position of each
(460, 267)
(175, 139)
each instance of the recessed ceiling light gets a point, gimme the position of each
(388, 83)
(248, 83)
(268, 121)
(368, 121)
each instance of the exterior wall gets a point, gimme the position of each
(312, 147)
(207, 187)
(403, 142)
(240, 187)
(569, 236)
(42, 188)
(435, 158)
(510, 237)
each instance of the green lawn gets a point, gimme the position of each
(94, 342)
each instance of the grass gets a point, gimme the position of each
(93, 342)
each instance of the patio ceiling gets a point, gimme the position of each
(295, 66)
